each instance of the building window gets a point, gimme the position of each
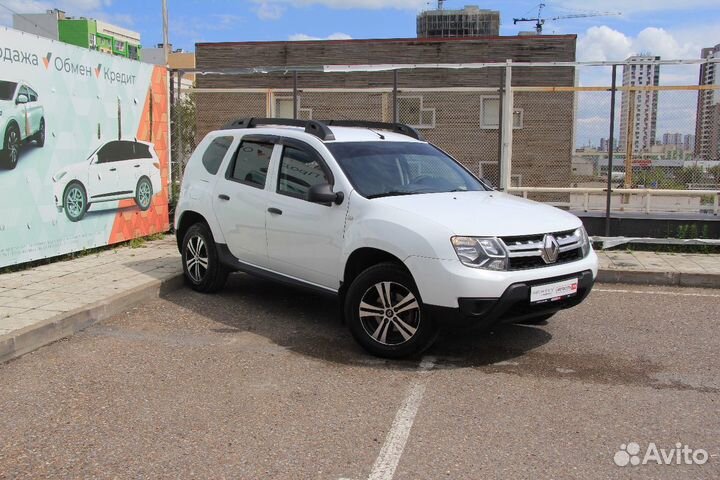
(119, 46)
(411, 112)
(92, 41)
(490, 114)
(284, 109)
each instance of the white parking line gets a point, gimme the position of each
(652, 292)
(389, 457)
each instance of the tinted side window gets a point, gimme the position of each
(213, 156)
(299, 170)
(251, 163)
(141, 151)
(33, 95)
(110, 152)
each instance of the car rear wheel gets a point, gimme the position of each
(385, 313)
(40, 135)
(75, 201)
(143, 193)
(201, 265)
(12, 147)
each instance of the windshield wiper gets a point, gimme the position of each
(391, 193)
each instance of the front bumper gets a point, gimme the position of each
(513, 306)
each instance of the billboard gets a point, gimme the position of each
(83, 148)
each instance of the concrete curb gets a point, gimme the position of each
(673, 279)
(65, 324)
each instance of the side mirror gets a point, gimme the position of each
(22, 98)
(322, 193)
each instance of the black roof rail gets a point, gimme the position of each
(320, 128)
(400, 128)
(312, 127)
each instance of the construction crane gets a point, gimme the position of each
(540, 21)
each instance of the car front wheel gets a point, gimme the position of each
(201, 265)
(385, 312)
(75, 201)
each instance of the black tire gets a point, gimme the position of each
(11, 147)
(40, 135)
(210, 278)
(75, 201)
(143, 198)
(538, 320)
(386, 334)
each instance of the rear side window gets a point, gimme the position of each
(142, 151)
(215, 152)
(251, 163)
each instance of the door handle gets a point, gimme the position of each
(275, 211)
(222, 196)
(113, 169)
(137, 166)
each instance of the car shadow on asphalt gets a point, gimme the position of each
(310, 324)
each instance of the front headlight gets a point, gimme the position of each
(584, 240)
(478, 252)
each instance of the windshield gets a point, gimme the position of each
(382, 169)
(7, 90)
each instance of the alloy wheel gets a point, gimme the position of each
(75, 202)
(144, 194)
(196, 258)
(41, 133)
(389, 313)
(13, 146)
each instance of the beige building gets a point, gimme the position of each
(456, 109)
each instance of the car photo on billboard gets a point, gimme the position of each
(22, 120)
(117, 170)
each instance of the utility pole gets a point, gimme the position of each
(166, 42)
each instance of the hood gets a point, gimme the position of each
(485, 214)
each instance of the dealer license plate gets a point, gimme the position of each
(552, 292)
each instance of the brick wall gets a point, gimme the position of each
(541, 149)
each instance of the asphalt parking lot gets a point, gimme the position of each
(262, 381)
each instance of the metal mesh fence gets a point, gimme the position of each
(665, 148)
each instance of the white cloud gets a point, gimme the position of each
(268, 10)
(303, 37)
(274, 9)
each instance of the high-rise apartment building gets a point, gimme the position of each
(707, 126)
(639, 107)
(471, 21)
(672, 139)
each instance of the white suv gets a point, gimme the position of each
(406, 237)
(117, 170)
(22, 119)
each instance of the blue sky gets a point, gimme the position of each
(673, 29)
(689, 23)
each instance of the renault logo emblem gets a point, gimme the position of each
(550, 249)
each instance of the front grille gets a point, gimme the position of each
(525, 252)
(523, 263)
